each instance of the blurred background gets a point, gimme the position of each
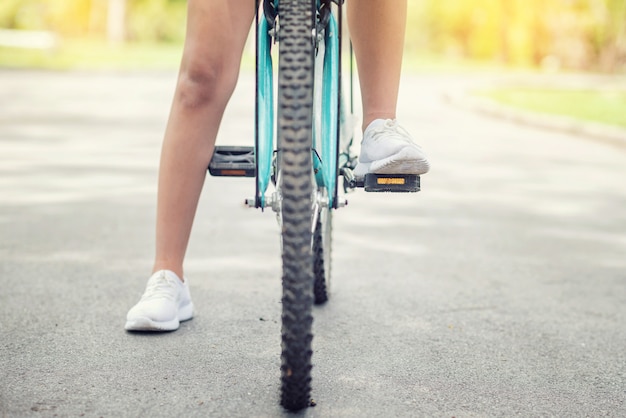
(543, 36)
(570, 34)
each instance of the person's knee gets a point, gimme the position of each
(203, 83)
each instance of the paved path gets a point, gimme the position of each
(498, 290)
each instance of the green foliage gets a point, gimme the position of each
(156, 20)
(22, 14)
(580, 34)
(146, 20)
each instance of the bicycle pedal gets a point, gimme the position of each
(392, 183)
(233, 161)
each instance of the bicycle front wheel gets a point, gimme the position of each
(295, 106)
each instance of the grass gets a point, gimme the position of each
(94, 55)
(604, 106)
(97, 54)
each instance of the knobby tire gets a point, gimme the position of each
(322, 241)
(295, 106)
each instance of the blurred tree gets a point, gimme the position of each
(149, 20)
(609, 33)
(22, 14)
(116, 21)
(156, 20)
(8, 13)
(68, 17)
(581, 34)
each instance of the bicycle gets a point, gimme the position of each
(313, 149)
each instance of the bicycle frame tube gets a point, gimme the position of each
(330, 99)
(326, 150)
(264, 141)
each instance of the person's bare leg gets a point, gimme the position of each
(377, 29)
(216, 34)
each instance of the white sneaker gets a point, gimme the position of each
(165, 303)
(387, 148)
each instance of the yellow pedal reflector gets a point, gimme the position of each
(394, 183)
(391, 180)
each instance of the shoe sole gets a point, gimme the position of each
(146, 324)
(404, 162)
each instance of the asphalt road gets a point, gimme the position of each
(499, 290)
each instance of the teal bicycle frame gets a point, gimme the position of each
(310, 93)
(326, 129)
(310, 111)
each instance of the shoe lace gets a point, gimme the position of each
(392, 129)
(160, 287)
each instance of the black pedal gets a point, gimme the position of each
(393, 183)
(232, 161)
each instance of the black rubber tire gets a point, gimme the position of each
(322, 245)
(295, 106)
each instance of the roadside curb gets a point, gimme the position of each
(606, 133)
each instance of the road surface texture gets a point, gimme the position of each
(498, 290)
